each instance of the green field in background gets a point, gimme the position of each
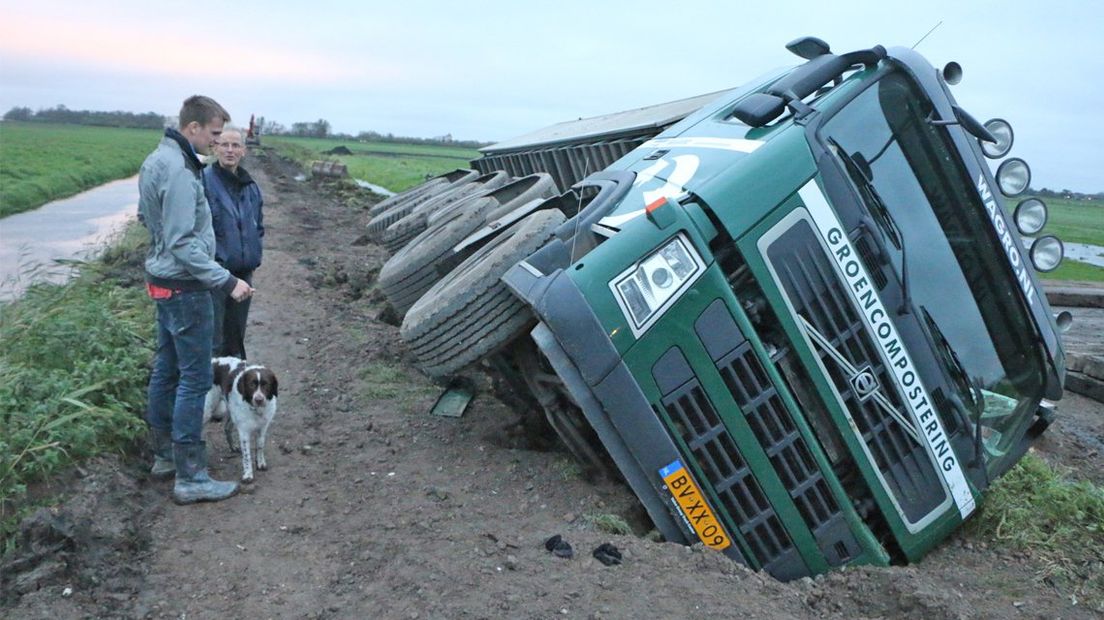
(1075, 221)
(1072, 221)
(394, 166)
(41, 162)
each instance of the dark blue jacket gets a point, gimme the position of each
(237, 217)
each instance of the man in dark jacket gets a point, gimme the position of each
(180, 273)
(238, 219)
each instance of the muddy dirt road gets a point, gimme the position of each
(372, 508)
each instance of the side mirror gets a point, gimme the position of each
(973, 126)
(808, 47)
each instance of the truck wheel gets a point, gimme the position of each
(516, 193)
(432, 187)
(479, 187)
(413, 270)
(424, 189)
(409, 226)
(469, 314)
(401, 232)
(378, 224)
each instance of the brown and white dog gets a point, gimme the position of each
(249, 393)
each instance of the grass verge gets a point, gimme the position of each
(41, 162)
(1036, 508)
(1076, 271)
(73, 372)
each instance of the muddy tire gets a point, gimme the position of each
(413, 270)
(430, 188)
(511, 195)
(425, 189)
(401, 232)
(470, 313)
(480, 187)
(521, 191)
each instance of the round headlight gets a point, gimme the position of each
(1013, 177)
(1030, 216)
(1046, 253)
(1002, 131)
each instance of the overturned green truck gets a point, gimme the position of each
(799, 322)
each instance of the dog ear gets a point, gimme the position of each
(272, 378)
(228, 381)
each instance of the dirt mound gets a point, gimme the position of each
(338, 150)
(81, 552)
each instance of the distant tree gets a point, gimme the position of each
(19, 114)
(316, 129)
(62, 114)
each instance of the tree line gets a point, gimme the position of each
(320, 128)
(62, 114)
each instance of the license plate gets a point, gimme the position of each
(692, 504)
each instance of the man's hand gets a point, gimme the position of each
(242, 291)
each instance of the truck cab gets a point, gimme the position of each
(800, 321)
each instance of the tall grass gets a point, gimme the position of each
(41, 162)
(1036, 508)
(396, 167)
(72, 371)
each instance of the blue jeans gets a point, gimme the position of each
(182, 366)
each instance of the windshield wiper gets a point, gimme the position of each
(859, 171)
(964, 383)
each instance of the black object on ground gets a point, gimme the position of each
(607, 554)
(559, 547)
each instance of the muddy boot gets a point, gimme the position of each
(192, 482)
(162, 445)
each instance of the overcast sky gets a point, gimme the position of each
(493, 70)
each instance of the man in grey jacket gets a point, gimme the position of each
(180, 273)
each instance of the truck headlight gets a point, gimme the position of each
(1046, 253)
(1030, 216)
(1013, 177)
(645, 290)
(1002, 131)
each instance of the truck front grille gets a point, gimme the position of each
(817, 295)
(727, 474)
(789, 455)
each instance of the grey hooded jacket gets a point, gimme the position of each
(173, 207)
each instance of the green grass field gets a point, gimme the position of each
(41, 162)
(394, 166)
(1073, 221)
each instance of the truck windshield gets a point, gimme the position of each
(957, 272)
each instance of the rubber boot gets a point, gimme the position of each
(192, 482)
(162, 445)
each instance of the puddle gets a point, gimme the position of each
(383, 191)
(1085, 253)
